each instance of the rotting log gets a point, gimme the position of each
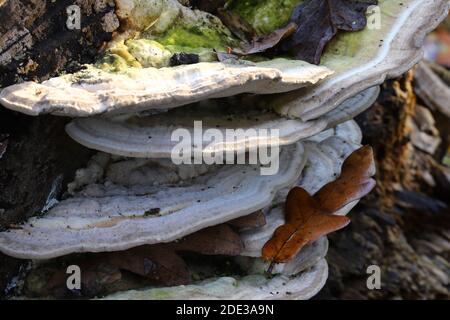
(402, 227)
(36, 42)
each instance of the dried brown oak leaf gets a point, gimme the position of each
(310, 217)
(237, 25)
(161, 262)
(266, 42)
(318, 21)
(254, 220)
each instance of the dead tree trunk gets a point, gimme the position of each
(36, 42)
(403, 225)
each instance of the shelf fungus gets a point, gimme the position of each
(306, 273)
(150, 136)
(118, 203)
(132, 207)
(258, 287)
(390, 45)
(134, 72)
(137, 70)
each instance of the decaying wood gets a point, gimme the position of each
(432, 88)
(35, 42)
(403, 225)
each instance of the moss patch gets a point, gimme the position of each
(265, 15)
(194, 37)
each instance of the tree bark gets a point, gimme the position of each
(35, 42)
(403, 225)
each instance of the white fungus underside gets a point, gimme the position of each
(110, 216)
(324, 164)
(114, 219)
(151, 137)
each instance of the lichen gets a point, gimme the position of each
(265, 15)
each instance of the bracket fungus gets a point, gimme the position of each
(172, 65)
(93, 91)
(257, 287)
(352, 62)
(88, 221)
(309, 263)
(151, 136)
(106, 216)
(364, 59)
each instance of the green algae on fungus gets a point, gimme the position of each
(145, 53)
(196, 37)
(149, 53)
(163, 28)
(265, 15)
(117, 58)
(166, 27)
(112, 62)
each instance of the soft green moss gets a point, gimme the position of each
(194, 37)
(265, 15)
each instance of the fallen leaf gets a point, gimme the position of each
(354, 182)
(310, 217)
(266, 42)
(225, 56)
(156, 263)
(161, 262)
(254, 220)
(312, 25)
(236, 24)
(318, 22)
(218, 240)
